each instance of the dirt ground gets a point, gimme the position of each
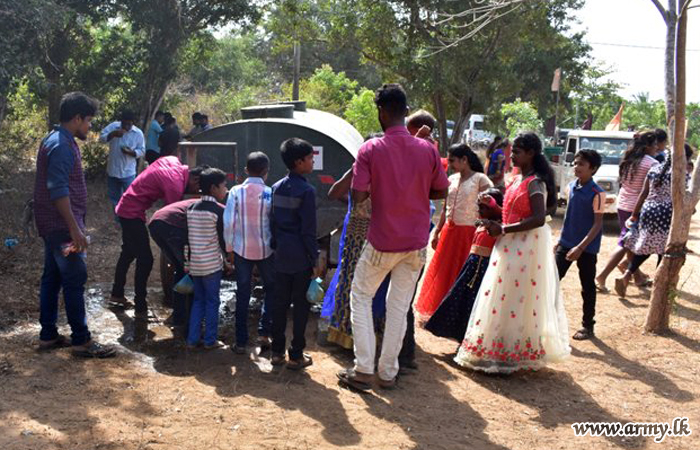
(157, 395)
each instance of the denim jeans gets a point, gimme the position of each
(291, 289)
(205, 307)
(67, 272)
(116, 188)
(244, 273)
(135, 245)
(172, 241)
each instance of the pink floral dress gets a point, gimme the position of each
(518, 320)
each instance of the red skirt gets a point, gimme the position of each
(450, 255)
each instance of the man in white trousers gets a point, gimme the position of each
(401, 174)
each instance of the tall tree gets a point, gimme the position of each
(165, 26)
(684, 198)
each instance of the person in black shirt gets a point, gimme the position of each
(293, 223)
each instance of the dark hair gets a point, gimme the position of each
(204, 117)
(168, 119)
(209, 178)
(127, 114)
(532, 143)
(463, 151)
(197, 116)
(635, 153)
(420, 118)
(293, 150)
(591, 156)
(168, 140)
(159, 113)
(257, 163)
(667, 164)
(496, 194)
(392, 98)
(493, 145)
(77, 104)
(661, 135)
(197, 171)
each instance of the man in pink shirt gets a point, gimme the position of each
(403, 173)
(166, 179)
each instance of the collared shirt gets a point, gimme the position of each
(402, 170)
(165, 179)
(153, 133)
(205, 233)
(247, 220)
(59, 173)
(585, 201)
(119, 164)
(293, 219)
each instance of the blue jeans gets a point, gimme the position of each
(70, 274)
(116, 188)
(205, 307)
(244, 273)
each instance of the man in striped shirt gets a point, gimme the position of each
(247, 234)
(205, 227)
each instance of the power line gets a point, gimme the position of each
(648, 47)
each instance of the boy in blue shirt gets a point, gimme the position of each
(582, 233)
(293, 224)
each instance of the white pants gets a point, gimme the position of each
(371, 270)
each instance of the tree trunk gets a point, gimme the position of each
(439, 105)
(671, 20)
(667, 274)
(3, 108)
(53, 66)
(465, 109)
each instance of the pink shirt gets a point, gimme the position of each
(402, 170)
(165, 179)
(633, 184)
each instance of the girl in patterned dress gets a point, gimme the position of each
(518, 320)
(454, 233)
(652, 216)
(452, 316)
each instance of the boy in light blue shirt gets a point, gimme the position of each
(154, 131)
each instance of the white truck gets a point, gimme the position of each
(611, 146)
(474, 133)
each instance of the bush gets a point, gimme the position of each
(94, 155)
(362, 113)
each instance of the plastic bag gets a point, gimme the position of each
(315, 292)
(185, 286)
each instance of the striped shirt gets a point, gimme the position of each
(632, 185)
(205, 226)
(247, 220)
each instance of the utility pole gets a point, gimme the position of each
(297, 69)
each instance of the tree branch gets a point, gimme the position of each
(661, 9)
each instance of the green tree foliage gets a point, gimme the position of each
(520, 116)
(362, 113)
(327, 90)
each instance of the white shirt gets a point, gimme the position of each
(119, 164)
(461, 198)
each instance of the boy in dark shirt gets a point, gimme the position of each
(581, 233)
(293, 223)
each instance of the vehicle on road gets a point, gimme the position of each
(611, 146)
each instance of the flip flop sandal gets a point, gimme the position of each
(95, 350)
(601, 288)
(583, 334)
(646, 283)
(59, 342)
(277, 360)
(348, 379)
(298, 364)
